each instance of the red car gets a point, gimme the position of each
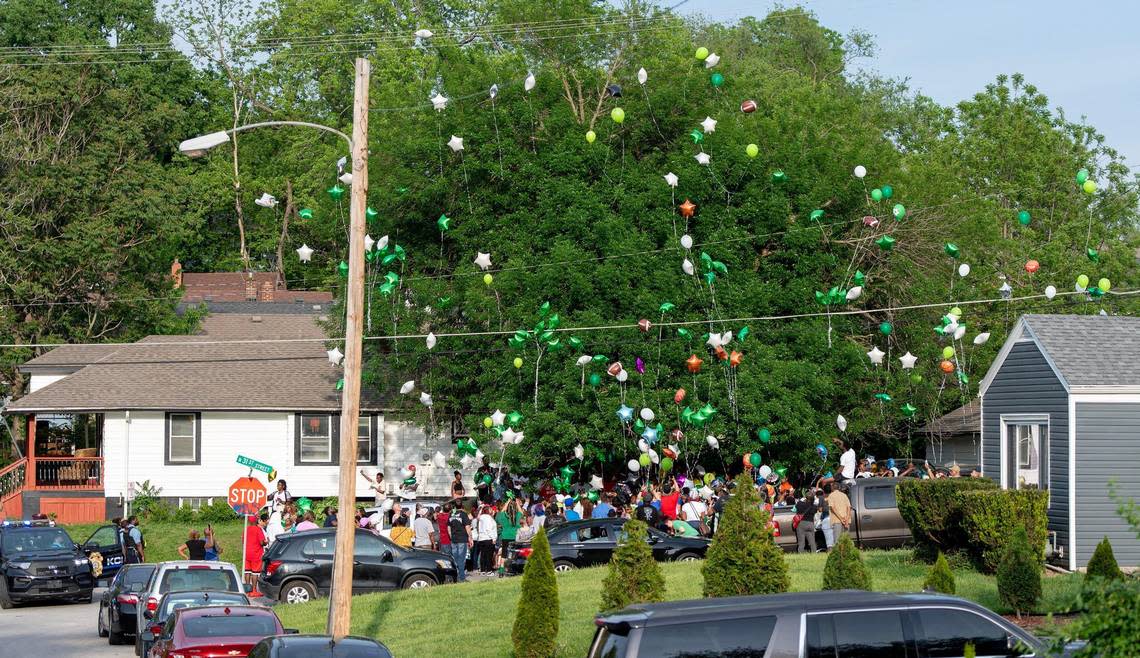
(214, 632)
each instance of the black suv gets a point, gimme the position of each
(812, 625)
(298, 567)
(592, 542)
(39, 561)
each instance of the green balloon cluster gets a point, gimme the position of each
(544, 333)
(391, 282)
(712, 268)
(698, 418)
(466, 447)
(831, 297)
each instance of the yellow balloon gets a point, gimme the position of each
(1089, 187)
(518, 362)
(702, 53)
(1104, 285)
(955, 312)
(752, 150)
(487, 422)
(1083, 281)
(617, 114)
(947, 352)
(487, 279)
(591, 136)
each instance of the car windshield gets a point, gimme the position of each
(136, 577)
(181, 580)
(40, 539)
(198, 600)
(222, 625)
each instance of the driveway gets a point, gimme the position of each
(55, 630)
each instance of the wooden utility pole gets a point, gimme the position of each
(340, 598)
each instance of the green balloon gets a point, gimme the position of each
(765, 435)
(717, 79)
(340, 384)
(666, 464)
(899, 211)
(595, 380)
(342, 268)
(306, 213)
(877, 194)
(752, 150)
(779, 176)
(1082, 176)
(951, 250)
(702, 53)
(816, 215)
(1023, 217)
(917, 379)
(617, 114)
(755, 460)
(697, 135)
(643, 460)
(888, 191)
(370, 214)
(885, 328)
(336, 192)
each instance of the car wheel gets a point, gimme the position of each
(99, 624)
(297, 591)
(419, 581)
(688, 557)
(139, 645)
(114, 638)
(562, 566)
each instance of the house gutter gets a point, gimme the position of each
(127, 469)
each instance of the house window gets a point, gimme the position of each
(315, 439)
(1027, 445)
(183, 438)
(195, 503)
(364, 441)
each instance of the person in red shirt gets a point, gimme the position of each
(255, 547)
(669, 496)
(442, 514)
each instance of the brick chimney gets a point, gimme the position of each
(250, 287)
(176, 273)
(267, 291)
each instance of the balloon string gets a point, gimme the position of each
(439, 140)
(533, 136)
(652, 113)
(498, 145)
(466, 183)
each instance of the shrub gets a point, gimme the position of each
(634, 575)
(932, 510)
(1102, 564)
(988, 516)
(1019, 573)
(185, 515)
(844, 568)
(940, 578)
(536, 620)
(1112, 624)
(743, 558)
(218, 511)
(147, 504)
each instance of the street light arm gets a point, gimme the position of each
(267, 124)
(198, 146)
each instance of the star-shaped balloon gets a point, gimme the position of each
(335, 356)
(614, 90)
(854, 293)
(431, 340)
(886, 243)
(908, 410)
(443, 223)
(982, 338)
(650, 435)
(642, 76)
(456, 143)
(266, 200)
(483, 260)
(712, 60)
(671, 179)
(498, 418)
(697, 136)
(425, 399)
(336, 192)
(596, 482)
(687, 267)
(908, 361)
(424, 33)
(702, 158)
(529, 83)
(305, 253)
(693, 363)
(514, 418)
(709, 125)
(508, 436)
(439, 102)
(625, 413)
(688, 208)
(876, 355)
(841, 423)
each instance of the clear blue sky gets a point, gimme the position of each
(1085, 57)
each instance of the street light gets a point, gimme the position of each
(196, 147)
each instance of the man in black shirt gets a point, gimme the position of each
(647, 512)
(457, 527)
(484, 477)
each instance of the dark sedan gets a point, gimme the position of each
(117, 606)
(298, 567)
(318, 646)
(592, 542)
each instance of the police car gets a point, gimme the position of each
(39, 561)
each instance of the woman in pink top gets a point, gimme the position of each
(310, 523)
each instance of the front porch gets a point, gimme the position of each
(63, 459)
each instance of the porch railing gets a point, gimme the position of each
(70, 473)
(12, 478)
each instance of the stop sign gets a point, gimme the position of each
(247, 495)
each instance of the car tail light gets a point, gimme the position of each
(199, 566)
(152, 604)
(271, 567)
(127, 599)
(156, 629)
(775, 528)
(524, 553)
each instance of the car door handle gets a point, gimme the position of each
(579, 545)
(866, 518)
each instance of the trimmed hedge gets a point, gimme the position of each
(932, 510)
(743, 558)
(988, 518)
(940, 578)
(845, 568)
(1103, 564)
(1019, 573)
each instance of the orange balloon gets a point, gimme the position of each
(1032, 266)
(644, 325)
(747, 463)
(721, 354)
(679, 396)
(688, 208)
(693, 363)
(735, 358)
(947, 367)
(614, 368)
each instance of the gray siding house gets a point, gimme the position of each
(1060, 410)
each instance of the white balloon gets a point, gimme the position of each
(579, 451)
(765, 471)
(706, 492)
(860, 171)
(646, 414)
(508, 436)
(498, 418)
(425, 399)
(596, 482)
(455, 143)
(654, 457)
(424, 33)
(963, 269)
(1050, 292)
(841, 423)
(642, 76)
(528, 84)
(368, 242)
(633, 465)
(854, 293)
(584, 360)
(622, 375)
(335, 356)
(712, 60)
(726, 338)
(407, 473)
(686, 241)
(305, 253)
(431, 340)
(713, 442)
(387, 504)
(643, 445)
(382, 243)
(981, 338)
(959, 332)
(438, 460)
(687, 267)
(908, 361)
(876, 355)
(479, 455)
(408, 387)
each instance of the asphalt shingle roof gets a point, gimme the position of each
(966, 419)
(1091, 350)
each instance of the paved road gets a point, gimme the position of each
(56, 630)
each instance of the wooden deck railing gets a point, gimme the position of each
(68, 473)
(12, 478)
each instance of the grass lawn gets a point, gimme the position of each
(163, 539)
(408, 621)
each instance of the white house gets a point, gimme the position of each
(178, 410)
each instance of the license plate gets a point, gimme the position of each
(54, 584)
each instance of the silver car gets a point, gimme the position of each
(184, 576)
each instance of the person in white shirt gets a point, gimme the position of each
(694, 509)
(422, 528)
(274, 527)
(846, 461)
(280, 498)
(376, 484)
(485, 531)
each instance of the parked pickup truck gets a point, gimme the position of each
(875, 522)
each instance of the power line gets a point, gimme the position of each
(594, 328)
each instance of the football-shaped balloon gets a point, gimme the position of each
(748, 106)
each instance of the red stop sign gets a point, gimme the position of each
(247, 495)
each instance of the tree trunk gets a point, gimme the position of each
(289, 210)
